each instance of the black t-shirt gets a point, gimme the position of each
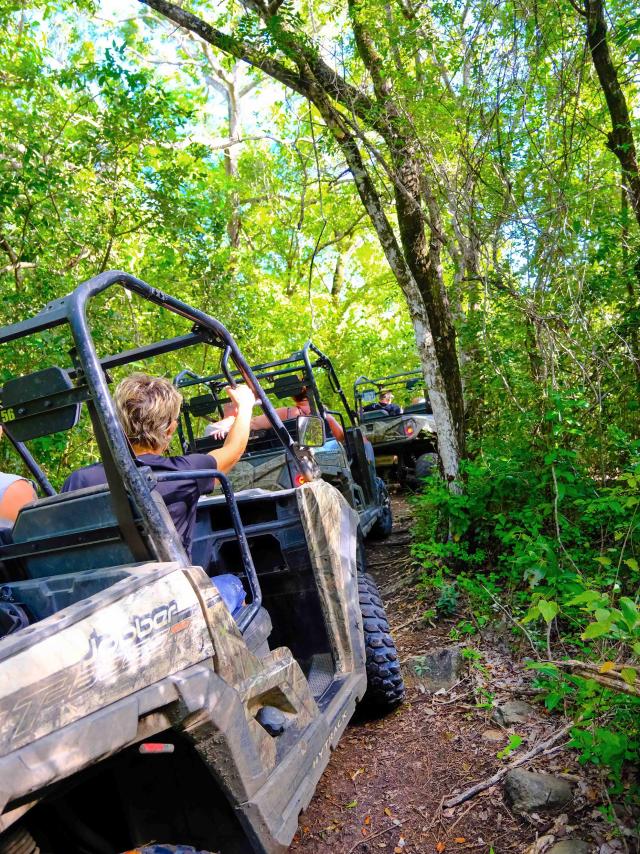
(180, 496)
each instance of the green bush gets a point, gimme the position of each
(536, 535)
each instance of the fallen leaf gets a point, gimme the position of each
(388, 812)
(364, 831)
(440, 846)
(397, 850)
(459, 840)
(367, 819)
(351, 805)
(607, 666)
(356, 774)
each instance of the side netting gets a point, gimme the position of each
(331, 529)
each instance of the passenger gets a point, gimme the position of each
(15, 492)
(148, 408)
(385, 403)
(261, 422)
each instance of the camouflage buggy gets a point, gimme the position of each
(404, 445)
(137, 705)
(348, 465)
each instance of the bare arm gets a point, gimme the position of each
(261, 422)
(16, 496)
(219, 429)
(237, 437)
(335, 427)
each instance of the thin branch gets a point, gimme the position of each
(490, 782)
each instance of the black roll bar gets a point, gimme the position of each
(247, 561)
(382, 382)
(72, 309)
(325, 362)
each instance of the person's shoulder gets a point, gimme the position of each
(86, 476)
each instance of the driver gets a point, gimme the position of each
(385, 402)
(148, 408)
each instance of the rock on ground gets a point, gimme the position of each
(497, 735)
(528, 791)
(571, 846)
(438, 670)
(512, 712)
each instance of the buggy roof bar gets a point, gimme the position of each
(282, 367)
(115, 451)
(380, 383)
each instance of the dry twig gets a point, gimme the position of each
(541, 747)
(373, 835)
(609, 679)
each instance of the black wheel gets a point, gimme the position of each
(18, 841)
(426, 464)
(385, 687)
(384, 522)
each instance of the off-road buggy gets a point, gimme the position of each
(348, 465)
(404, 445)
(135, 707)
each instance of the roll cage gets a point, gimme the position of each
(282, 378)
(406, 379)
(49, 401)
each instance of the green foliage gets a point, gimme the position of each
(513, 744)
(536, 531)
(110, 157)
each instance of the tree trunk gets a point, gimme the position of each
(416, 265)
(620, 137)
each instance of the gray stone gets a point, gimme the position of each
(571, 846)
(528, 791)
(438, 670)
(512, 712)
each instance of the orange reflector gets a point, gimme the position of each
(156, 747)
(299, 479)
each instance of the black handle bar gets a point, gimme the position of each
(247, 561)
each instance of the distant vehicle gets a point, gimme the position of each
(137, 705)
(348, 466)
(404, 445)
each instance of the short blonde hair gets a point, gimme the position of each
(146, 407)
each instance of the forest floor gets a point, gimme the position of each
(386, 784)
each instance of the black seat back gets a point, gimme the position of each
(374, 415)
(423, 408)
(67, 533)
(260, 441)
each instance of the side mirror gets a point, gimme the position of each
(310, 431)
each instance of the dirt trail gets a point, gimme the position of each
(385, 784)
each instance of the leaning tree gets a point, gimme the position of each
(371, 122)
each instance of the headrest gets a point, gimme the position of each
(288, 386)
(43, 403)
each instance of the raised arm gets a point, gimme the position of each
(237, 437)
